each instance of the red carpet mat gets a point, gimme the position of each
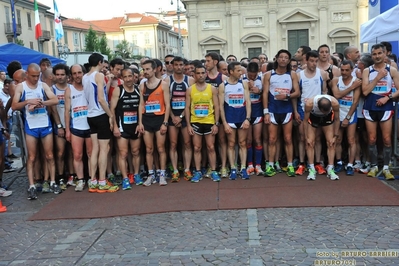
(259, 192)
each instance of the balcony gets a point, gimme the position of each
(8, 30)
(46, 36)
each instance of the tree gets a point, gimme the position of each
(19, 42)
(91, 42)
(124, 49)
(103, 46)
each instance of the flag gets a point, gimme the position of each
(38, 27)
(59, 31)
(14, 23)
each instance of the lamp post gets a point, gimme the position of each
(63, 51)
(179, 41)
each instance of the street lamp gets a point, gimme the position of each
(179, 44)
(63, 51)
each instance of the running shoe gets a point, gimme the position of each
(55, 189)
(357, 166)
(149, 181)
(38, 186)
(365, 169)
(338, 168)
(233, 174)
(63, 186)
(332, 175)
(320, 169)
(32, 194)
(312, 174)
(197, 177)
(80, 184)
(93, 187)
(5, 193)
(162, 180)
(215, 176)
(291, 171)
(107, 188)
(138, 180)
(223, 172)
(244, 174)
(130, 176)
(387, 174)
(46, 187)
(111, 178)
(277, 167)
(71, 180)
(350, 170)
(295, 162)
(270, 171)
(373, 171)
(208, 173)
(175, 176)
(301, 169)
(156, 177)
(250, 170)
(188, 175)
(126, 184)
(259, 171)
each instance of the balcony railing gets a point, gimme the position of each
(46, 36)
(8, 30)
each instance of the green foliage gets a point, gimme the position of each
(91, 41)
(103, 46)
(124, 49)
(19, 42)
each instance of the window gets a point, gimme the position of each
(65, 37)
(31, 45)
(214, 51)
(7, 10)
(52, 29)
(297, 38)
(134, 39)
(75, 38)
(116, 42)
(18, 17)
(340, 47)
(147, 38)
(29, 19)
(147, 52)
(254, 52)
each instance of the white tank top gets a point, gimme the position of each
(346, 101)
(79, 109)
(39, 117)
(61, 103)
(310, 87)
(91, 93)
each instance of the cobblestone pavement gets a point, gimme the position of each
(279, 236)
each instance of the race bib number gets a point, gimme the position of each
(38, 111)
(129, 118)
(236, 100)
(178, 103)
(61, 99)
(80, 111)
(381, 87)
(255, 97)
(152, 107)
(201, 110)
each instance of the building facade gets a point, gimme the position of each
(247, 28)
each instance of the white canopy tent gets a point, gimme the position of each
(384, 27)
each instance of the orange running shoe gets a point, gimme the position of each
(301, 169)
(320, 169)
(188, 175)
(175, 176)
(131, 178)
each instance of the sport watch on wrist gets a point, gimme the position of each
(249, 119)
(348, 117)
(181, 116)
(59, 126)
(165, 124)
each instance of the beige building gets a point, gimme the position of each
(247, 28)
(147, 34)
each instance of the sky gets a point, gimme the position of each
(93, 10)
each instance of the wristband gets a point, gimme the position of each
(265, 111)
